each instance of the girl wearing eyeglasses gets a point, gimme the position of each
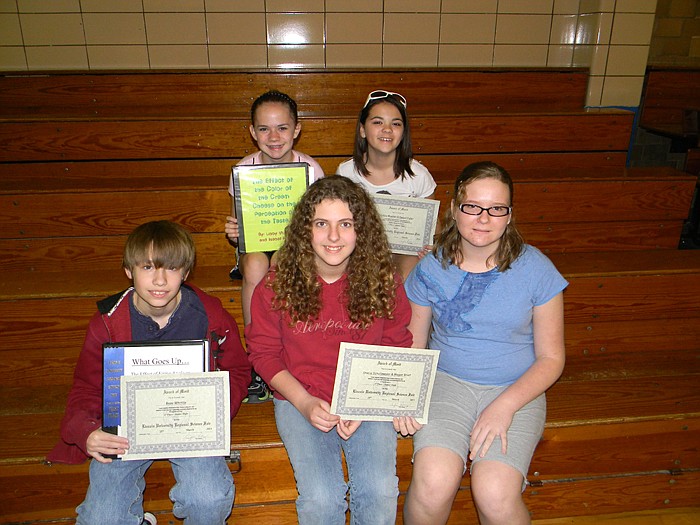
(493, 306)
(383, 160)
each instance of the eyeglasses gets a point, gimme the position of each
(493, 211)
(375, 95)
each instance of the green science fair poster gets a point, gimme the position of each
(264, 197)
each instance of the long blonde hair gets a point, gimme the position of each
(447, 248)
(371, 291)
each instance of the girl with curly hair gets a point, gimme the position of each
(334, 281)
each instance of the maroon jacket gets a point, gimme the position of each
(112, 323)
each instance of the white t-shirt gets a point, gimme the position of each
(315, 170)
(420, 185)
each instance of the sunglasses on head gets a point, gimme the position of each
(380, 93)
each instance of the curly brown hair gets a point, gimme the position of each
(447, 248)
(371, 291)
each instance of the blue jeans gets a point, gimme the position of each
(202, 495)
(316, 458)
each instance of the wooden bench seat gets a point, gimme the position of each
(87, 157)
(97, 176)
(81, 233)
(188, 95)
(669, 93)
(35, 178)
(599, 392)
(598, 459)
(602, 385)
(571, 402)
(224, 138)
(611, 298)
(670, 107)
(62, 320)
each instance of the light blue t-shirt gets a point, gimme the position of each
(482, 322)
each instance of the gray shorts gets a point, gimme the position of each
(454, 407)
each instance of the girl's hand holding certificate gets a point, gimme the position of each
(406, 425)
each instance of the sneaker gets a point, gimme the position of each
(149, 519)
(235, 273)
(258, 391)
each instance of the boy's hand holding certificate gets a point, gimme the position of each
(378, 383)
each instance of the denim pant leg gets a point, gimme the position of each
(318, 469)
(115, 494)
(204, 490)
(370, 454)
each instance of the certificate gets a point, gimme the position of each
(378, 383)
(139, 358)
(264, 197)
(176, 415)
(409, 222)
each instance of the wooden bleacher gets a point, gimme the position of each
(671, 94)
(87, 157)
(671, 107)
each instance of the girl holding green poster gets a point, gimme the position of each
(274, 127)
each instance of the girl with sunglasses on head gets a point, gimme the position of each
(383, 160)
(493, 306)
